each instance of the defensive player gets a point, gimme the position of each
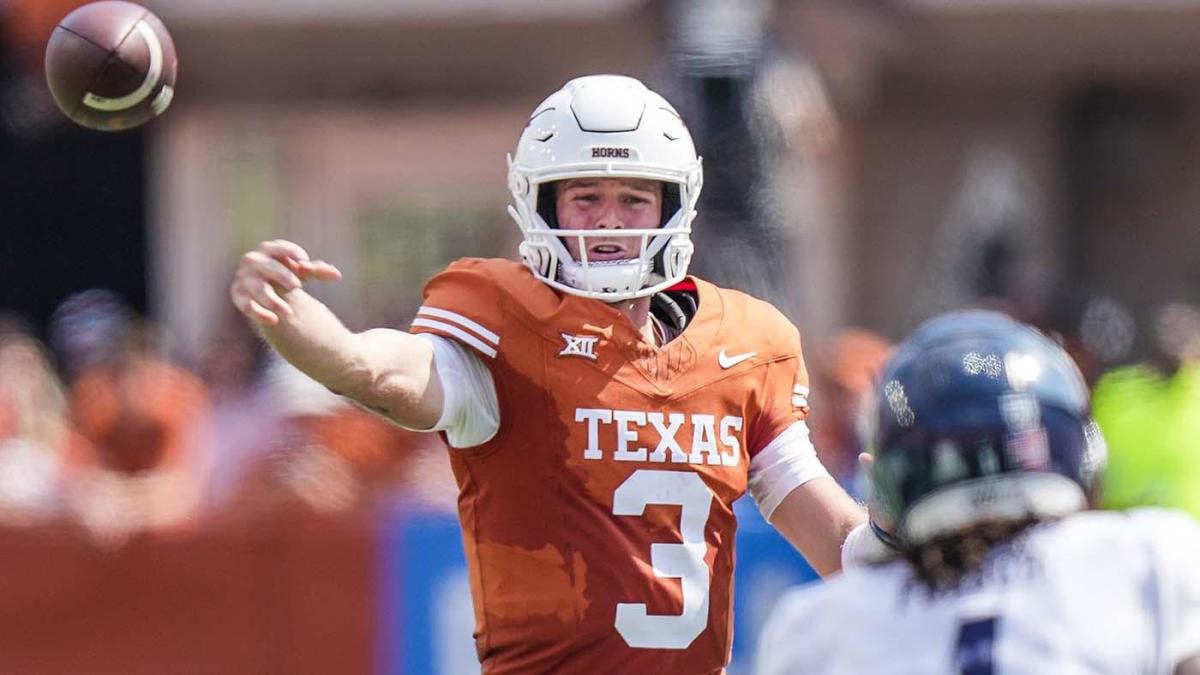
(604, 409)
(985, 461)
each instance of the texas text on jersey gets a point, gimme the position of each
(614, 469)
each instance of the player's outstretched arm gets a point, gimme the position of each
(816, 517)
(386, 370)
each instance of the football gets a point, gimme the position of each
(111, 65)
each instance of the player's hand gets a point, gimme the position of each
(266, 275)
(882, 525)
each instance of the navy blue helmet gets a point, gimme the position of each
(979, 418)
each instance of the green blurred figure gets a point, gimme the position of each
(1151, 418)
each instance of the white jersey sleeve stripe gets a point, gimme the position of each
(786, 463)
(461, 320)
(459, 333)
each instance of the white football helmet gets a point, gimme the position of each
(605, 126)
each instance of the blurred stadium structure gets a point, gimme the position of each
(868, 164)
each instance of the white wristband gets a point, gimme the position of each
(863, 548)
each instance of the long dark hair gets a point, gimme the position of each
(942, 563)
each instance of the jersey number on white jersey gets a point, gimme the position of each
(976, 645)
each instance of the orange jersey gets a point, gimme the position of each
(598, 521)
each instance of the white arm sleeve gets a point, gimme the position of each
(471, 411)
(783, 465)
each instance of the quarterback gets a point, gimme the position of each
(603, 408)
(985, 461)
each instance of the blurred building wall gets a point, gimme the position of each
(1006, 153)
(374, 191)
(375, 139)
(966, 150)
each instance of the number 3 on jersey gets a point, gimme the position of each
(683, 561)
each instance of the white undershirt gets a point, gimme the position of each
(470, 409)
(471, 417)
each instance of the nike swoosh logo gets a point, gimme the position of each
(728, 361)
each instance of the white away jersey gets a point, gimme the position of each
(1096, 593)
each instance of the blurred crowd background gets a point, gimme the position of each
(868, 164)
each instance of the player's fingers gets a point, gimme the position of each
(251, 309)
(866, 461)
(268, 297)
(263, 294)
(318, 269)
(260, 266)
(282, 248)
(260, 314)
